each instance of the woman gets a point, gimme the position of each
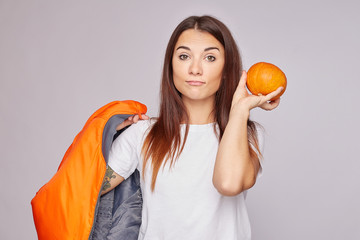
(202, 152)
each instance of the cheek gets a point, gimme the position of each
(216, 76)
(177, 81)
(176, 78)
(179, 70)
(176, 84)
(215, 84)
(179, 75)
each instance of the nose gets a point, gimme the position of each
(195, 67)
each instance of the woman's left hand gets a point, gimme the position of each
(245, 101)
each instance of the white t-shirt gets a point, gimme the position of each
(185, 203)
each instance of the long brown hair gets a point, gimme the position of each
(163, 141)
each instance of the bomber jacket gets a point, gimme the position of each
(70, 205)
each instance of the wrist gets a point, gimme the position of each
(239, 113)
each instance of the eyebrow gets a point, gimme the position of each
(206, 49)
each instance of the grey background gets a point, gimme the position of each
(61, 60)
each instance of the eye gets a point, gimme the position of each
(183, 57)
(210, 58)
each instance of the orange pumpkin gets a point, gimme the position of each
(264, 78)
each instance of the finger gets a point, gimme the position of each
(270, 105)
(125, 123)
(241, 87)
(243, 78)
(135, 118)
(274, 93)
(130, 120)
(144, 117)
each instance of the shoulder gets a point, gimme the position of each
(132, 136)
(142, 125)
(139, 129)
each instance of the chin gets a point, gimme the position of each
(198, 98)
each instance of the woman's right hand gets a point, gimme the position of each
(244, 100)
(132, 119)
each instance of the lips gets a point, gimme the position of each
(195, 83)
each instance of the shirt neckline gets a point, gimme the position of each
(199, 127)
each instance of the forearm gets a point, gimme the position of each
(234, 170)
(111, 180)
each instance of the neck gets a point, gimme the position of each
(200, 112)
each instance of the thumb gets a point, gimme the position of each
(243, 79)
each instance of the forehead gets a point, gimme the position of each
(196, 39)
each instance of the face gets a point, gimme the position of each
(197, 62)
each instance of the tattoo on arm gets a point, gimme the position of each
(108, 176)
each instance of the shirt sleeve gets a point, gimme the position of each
(261, 141)
(123, 156)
